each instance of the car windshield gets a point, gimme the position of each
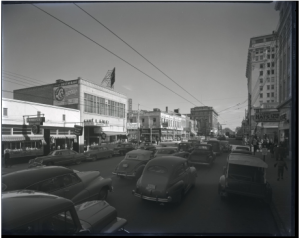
(157, 169)
(241, 172)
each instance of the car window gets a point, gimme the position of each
(61, 223)
(57, 153)
(65, 152)
(69, 179)
(46, 186)
(157, 169)
(72, 152)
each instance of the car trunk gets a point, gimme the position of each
(154, 185)
(128, 166)
(200, 156)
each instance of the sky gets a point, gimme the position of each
(202, 46)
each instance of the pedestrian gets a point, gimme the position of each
(7, 159)
(271, 147)
(276, 151)
(281, 164)
(254, 143)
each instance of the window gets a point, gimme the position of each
(261, 51)
(268, 95)
(272, 86)
(261, 73)
(273, 49)
(268, 50)
(261, 66)
(268, 56)
(257, 52)
(268, 64)
(4, 111)
(64, 117)
(261, 88)
(268, 80)
(261, 95)
(268, 100)
(261, 57)
(28, 229)
(261, 80)
(273, 64)
(268, 87)
(179, 171)
(256, 58)
(272, 79)
(154, 120)
(272, 71)
(143, 120)
(131, 120)
(268, 72)
(273, 56)
(272, 94)
(68, 179)
(272, 101)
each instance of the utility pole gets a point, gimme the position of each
(138, 125)
(150, 127)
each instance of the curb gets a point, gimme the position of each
(279, 223)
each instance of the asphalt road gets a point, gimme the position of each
(201, 211)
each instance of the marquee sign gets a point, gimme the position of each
(266, 117)
(92, 122)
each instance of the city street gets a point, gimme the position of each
(201, 211)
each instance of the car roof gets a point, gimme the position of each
(247, 160)
(22, 206)
(166, 148)
(24, 178)
(166, 161)
(139, 151)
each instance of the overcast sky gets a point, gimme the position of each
(201, 46)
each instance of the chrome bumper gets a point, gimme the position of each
(156, 199)
(124, 174)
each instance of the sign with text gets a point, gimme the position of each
(266, 117)
(36, 120)
(78, 130)
(66, 93)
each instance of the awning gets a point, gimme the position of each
(268, 124)
(114, 133)
(23, 138)
(63, 136)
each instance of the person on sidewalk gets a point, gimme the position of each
(7, 159)
(254, 143)
(281, 164)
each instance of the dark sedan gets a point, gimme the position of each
(147, 146)
(122, 149)
(98, 152)
(163, 151)
(165, 179)
(58, 157)
(72, 184)
(203, 154)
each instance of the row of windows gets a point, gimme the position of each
(268, 87)
(268, 80)
(261, 102)
(261, 73)
(272, 64)
(261, 51)
(261, 57)
(268, 95)
(103, 106)
(5, 113)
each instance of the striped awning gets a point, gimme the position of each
(23, 138)
(63, 136)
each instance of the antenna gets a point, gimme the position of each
(109, 79)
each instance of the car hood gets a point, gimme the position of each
(95, 215)
(88, 176)
(130, 165)
(159, 181)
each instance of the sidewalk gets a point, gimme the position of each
(281, 205)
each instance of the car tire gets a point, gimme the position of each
(103, 194)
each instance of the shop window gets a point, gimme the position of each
(5, 111)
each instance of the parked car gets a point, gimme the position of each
(185, 146)
(27, 212)
(98, 152)
(222, 137)
(58, 157)
(163, 151)
(245, 175)
(133, 163)
(203, 154)
(147, 146)
(122, 149)
(216, 146)
(165, 179)
(182, 154)
(225, 145)
(194, 143)
(72, 184)
(169, 144)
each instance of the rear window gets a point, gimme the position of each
(165, 151)
(137, 157)
(202, 147)
(241, 172)
(157, 169)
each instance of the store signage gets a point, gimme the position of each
(66, 93)
(145, 130)
(36, 120)
(78, 130)
(92, 122)
(35, 129)
(132, 125)
(266, 117)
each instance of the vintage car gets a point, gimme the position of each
(242, 149)
(133, 164)
(225, 145)
(163, 151)
(27, 212)
(182, 154)
(169, 144)
(64, 182)
(203, 154)
(245, 175)
(222, 137)
(147, 146)
(122, 149)
(185, 146)
(216, 146)
(165, 179)
(98, 152)
(58, 157)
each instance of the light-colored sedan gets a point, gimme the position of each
(98, 152)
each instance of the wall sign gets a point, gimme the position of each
(266, 116)
(35, 129)
(36, 120)
(78, 130)
(92, 122)
(66, 93)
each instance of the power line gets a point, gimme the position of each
(136, 51)
(110, 52)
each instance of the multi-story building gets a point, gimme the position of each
(261, 74)
(286, 76)
(207, 119)
(161, 125)
(102, 109)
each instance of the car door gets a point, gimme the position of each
(106, 152)
(181, 174)
(72, 186)
(101, 152)
(51, 185)
(66, 158)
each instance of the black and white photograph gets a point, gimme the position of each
(149, 118)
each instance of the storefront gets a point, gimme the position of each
(284, 126)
